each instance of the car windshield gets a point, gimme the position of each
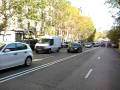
(1, 45)
(46, 41)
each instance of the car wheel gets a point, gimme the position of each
(28, 61)
(49, 51)
(68, 51)
(58, 50)
(79, 50)
(36, 51)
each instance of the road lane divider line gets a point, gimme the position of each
(10, 77)
(23, 71)
(35, 60)
(88, 74)
(18, 75)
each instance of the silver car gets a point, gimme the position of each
(14, 53)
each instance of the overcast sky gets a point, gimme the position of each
(97, 10)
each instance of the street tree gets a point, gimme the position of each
(6, 13)
(114, 33)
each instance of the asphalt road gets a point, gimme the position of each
(94, 69)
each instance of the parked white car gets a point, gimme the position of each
(88, 45)
(14, 54)
(48, 44)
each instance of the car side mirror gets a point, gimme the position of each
(7, 50)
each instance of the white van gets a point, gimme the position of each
(48, 44)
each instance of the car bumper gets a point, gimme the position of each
(41, 50)
(73, 50)
(88, 46)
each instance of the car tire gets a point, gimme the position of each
(58, 50)
(28, 61)
(36, 51)
(68, 51)
(49, 51)
(80, 50)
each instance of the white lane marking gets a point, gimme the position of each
(7, 78)
(35, 60)
(25, 70)
(88, 74)
(99, 58)
(21, 74)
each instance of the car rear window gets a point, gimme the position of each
(74, 44)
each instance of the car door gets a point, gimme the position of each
(1, 56)
(22, 53)
(8, 56)
(52, 45)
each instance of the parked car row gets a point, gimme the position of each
(83, 44)
(18, 53)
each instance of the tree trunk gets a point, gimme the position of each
(5, 26)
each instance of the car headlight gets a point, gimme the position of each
(75, 48)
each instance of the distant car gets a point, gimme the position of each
(65, 44)
(96, 45)
(74, 47)
(114, 45)
(88, 45)
(102, 45)
(31, 42)
(14, 54)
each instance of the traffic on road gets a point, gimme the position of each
(57, 69)
(59, 44)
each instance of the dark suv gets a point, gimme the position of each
(74, 47)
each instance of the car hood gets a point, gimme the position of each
(88, 45)
(41, 44)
